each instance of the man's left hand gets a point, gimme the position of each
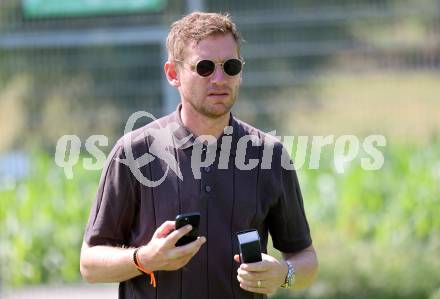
(263, 277)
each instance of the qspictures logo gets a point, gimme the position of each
(346, 149)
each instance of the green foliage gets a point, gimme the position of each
(42, 220)
(377, 233)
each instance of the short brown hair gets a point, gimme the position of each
(195, 27)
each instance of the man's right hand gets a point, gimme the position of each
(162, 254)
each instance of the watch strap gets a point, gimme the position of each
(290, 276)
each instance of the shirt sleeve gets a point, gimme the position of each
(115, 206)
(287, 220)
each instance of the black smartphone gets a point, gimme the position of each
(184, 219)
(249, 245)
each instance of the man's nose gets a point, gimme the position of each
(218, 76)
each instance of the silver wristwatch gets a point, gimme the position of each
(290, 277)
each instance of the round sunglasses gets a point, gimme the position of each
(206, 67)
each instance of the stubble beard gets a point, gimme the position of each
(210, 112)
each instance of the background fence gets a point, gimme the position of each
(103, 68)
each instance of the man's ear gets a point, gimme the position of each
(171, 73)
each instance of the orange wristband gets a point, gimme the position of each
(139, 266)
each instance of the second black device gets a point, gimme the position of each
(184, 219)
(249, 246)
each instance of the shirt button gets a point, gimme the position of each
(208, 188)
(207, 169)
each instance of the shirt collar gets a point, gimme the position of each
(183, 132)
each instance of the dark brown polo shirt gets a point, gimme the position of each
(126, 212)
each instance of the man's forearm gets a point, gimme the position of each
(107, 264)
(306, 266)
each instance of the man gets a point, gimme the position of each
(130, 237)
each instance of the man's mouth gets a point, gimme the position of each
(218, 94)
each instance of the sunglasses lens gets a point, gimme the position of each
(232, 67)
(205, 68)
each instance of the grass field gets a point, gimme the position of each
(403, 106)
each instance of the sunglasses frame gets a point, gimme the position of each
(194, 66)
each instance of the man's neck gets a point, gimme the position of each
(200, 124)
